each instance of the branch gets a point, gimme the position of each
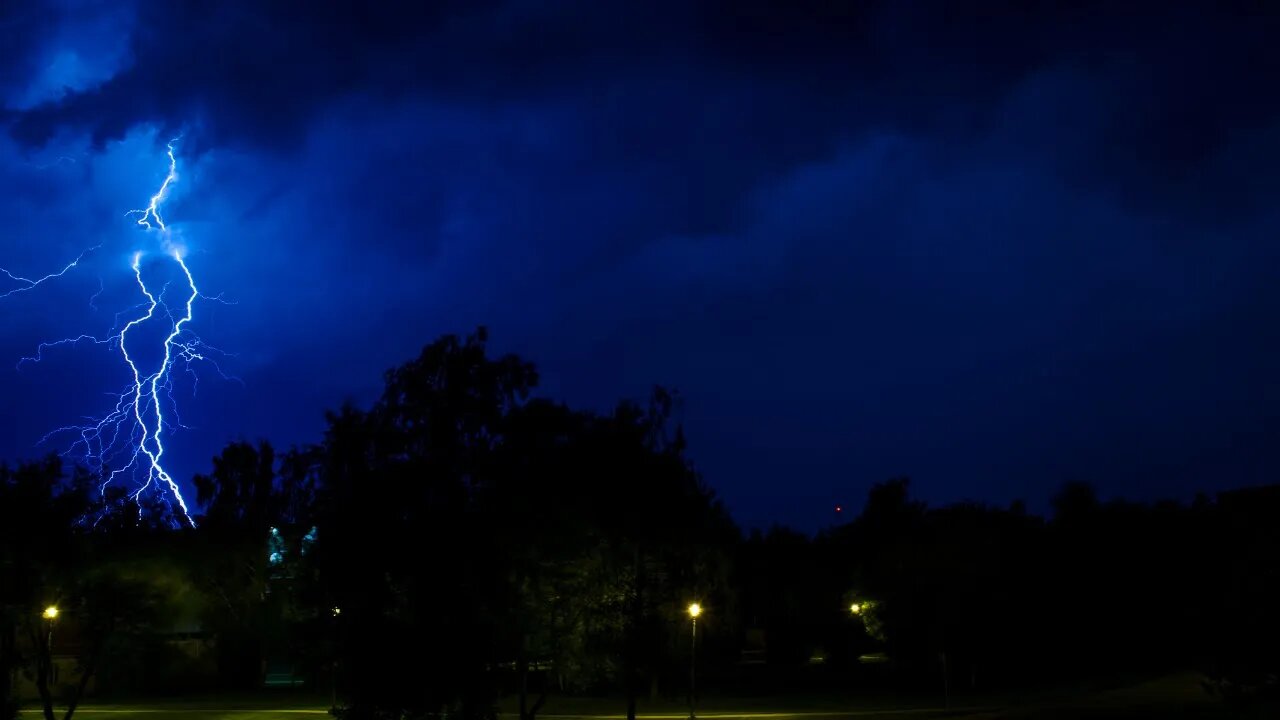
(85, 675)
(537, 704)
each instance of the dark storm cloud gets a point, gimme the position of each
(993, 247)
(784, 77)
(254, 72)
(20, 29)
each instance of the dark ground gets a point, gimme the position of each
(1177, 697)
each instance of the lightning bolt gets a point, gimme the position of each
(27, 284)
(127, 443)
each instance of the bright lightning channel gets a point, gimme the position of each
(127, 444)
(27, 284)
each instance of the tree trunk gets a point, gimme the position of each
(537, 705)
(629, 674)
(44, 665)
(42, 685)
(89, 667)
(946, 681)
(632, 643)
(522, 667)
(8, 662)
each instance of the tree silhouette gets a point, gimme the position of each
(461, 538)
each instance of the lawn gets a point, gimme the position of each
(1175, 697)
(190, 714)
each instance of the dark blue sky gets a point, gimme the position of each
(992, 250)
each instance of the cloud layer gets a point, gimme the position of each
(990, 250)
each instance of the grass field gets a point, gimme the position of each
(1176, 697)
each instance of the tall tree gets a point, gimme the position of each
(256, 516)
(40, 507)
(397, 544)
(669, 538)
(59, 550)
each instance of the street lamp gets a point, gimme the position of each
(694, 611)
(336, 612)
(50, 614)
(855, 608)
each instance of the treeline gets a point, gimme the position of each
(455, 541)
(975, 597)
(460, 540)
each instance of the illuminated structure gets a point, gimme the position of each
(694, 611)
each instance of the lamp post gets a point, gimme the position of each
(694, 611)
(335, 611)
(50, 613)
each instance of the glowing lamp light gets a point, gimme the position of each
(694, 610)
(336, 611)
(51, 612)
(855, 608)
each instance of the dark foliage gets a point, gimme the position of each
(461, 540)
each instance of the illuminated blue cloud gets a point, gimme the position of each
(74, 46)
(1037, 251)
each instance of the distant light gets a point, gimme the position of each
(839, 509)
(51, 612)
(336, 611)
(855, 608)
(695, 610)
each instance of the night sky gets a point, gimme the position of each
(990, 250)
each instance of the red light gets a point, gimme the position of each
(839, 509)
